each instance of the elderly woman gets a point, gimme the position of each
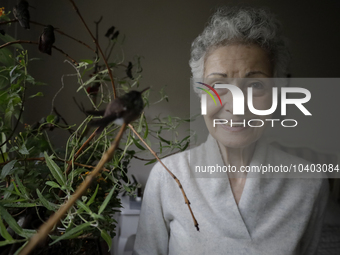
(235, 215)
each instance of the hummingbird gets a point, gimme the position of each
(129, 71)
(121, 110)
(21, 13)
(110, 31)
(46, 40)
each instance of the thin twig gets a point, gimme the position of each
(149, 159)
(45, 229)
(99, 48)
(97, 25)
(81, 108)
(62, 52)
(173, 176)
(56, 29)
(62, 118)
(31, 42)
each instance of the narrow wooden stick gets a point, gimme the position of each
(45, 229)
(173, 176)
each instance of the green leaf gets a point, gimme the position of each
(151, 162)
(72, 232)
(50, 118)
(186, 146)
(6, 57)
(55, 170)
(23, 150)
(7, 168)
(19, 204)
(3, 231)
(4, 147)
(44, 201)
(3, 243)
(137, 144)
(39, 94)
(19, 250)
(127, 188)
(53, 184)
(92, 79)
(88, 61)
(146, 129)
(107, 238)
(16, 189)
(83, 207)
(106, 201)
(184, 139)
(7, 38)
(163, 140)
(76, 172)
(93, 196)
(11, 72)
(11, 222)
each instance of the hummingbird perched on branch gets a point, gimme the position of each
(121, 110)
(46, 40)
(21, 13)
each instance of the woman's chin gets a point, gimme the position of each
(236, 137)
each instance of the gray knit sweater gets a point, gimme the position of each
(276, 216)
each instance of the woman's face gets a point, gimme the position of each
(243, 66)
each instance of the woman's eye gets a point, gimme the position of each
(256, 85)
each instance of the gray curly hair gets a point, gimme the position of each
(243, 25)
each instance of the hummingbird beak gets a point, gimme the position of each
(144, 90)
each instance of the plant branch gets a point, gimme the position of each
(45, 229)
(31, 42)
(97, 25)
(62, 118)
(173, 176)
(97, 45)
(149, 159)
(56, 29)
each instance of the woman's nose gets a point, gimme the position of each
(227, 101)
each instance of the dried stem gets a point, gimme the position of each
(45, 229)
(56, 29)
(97, 45)
(173, 176)
(31, 42)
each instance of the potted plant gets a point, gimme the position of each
(37, 178)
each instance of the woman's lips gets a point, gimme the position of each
(234, 125)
